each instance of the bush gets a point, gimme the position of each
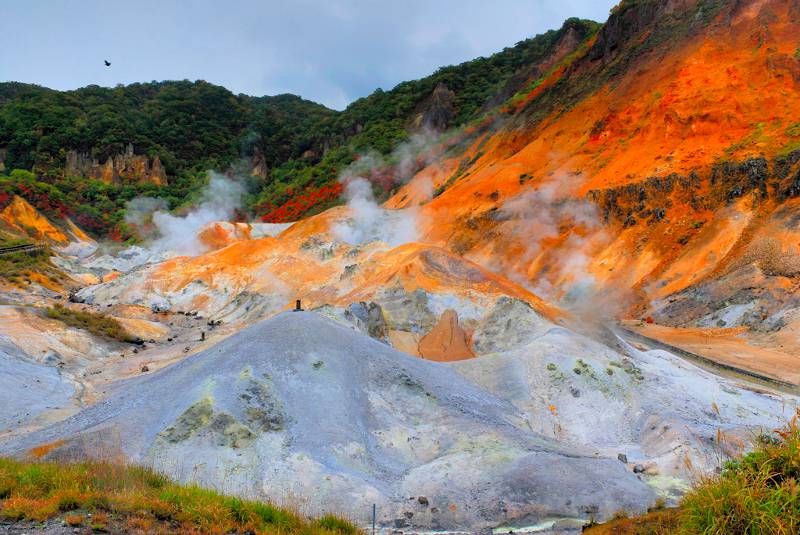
(758, 493)
(754, 495)
(16, 267)
(97, 324)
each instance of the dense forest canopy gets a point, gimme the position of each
(195, 126)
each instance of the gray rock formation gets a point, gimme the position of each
(368, 318)
(126, 167)
(436, 112)
(509, 324)
(28, 389)
(298, 406)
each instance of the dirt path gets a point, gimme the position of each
(723, 349)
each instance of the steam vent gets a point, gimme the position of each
(554, 289)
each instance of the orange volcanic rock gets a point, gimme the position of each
(447, 341)
(249, 279)
(405, 341)
(652, 173)
(728, 92)
(76, 232)
(726, 347)
(418, 266)
(222, 233)
(25, 219)
(111, 276)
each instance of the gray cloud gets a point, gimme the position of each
(329, 51)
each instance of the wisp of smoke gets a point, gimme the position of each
(554, 212)
(139, 211)
(370, 222)
(178, 234)
(419, 151)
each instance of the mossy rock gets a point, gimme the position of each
(190, 422)
(264, 411)
(229, 433)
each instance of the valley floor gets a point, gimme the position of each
(449, 396)
(730, 349)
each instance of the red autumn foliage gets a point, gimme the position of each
(300, 203)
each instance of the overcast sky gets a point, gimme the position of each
(330, 51)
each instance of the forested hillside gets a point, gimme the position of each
(292, 148)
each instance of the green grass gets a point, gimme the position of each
(793, 133)
(754, 495)
(16, 267)
(756, 135)
(139, 499)
(97, 324)
(758, 493)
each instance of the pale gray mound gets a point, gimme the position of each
(510, 324)
(301, 409)
(28, 389)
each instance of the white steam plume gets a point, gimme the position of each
(178, 234)
(369, 221)
(422, 149)
(551, 212)
(139, 211)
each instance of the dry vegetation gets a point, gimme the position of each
(17, 267)
(97, 324)
(116, 498)
(756, 494)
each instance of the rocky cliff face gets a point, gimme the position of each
(127, 167)
(707, 189)
(258, 165)
(436, 112)
(660, 161)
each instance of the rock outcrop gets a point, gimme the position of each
(447, 341)
(436, 112)
(710, 189)
(368, 318)
(258, 165)
(127, 167)
(26, 220)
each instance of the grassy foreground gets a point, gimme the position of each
(106, 497)
(758, 494)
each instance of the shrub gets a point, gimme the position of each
(73, 520)
(758, 493)
(97, 324)
(755, 494)
(17, 267)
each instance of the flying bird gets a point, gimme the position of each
(108, 63)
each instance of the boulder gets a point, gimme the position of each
(447, 341)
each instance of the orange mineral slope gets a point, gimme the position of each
(25, 220)
(307, 261)
(725, 92)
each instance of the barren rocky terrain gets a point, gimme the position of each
(582, 300)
